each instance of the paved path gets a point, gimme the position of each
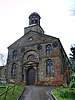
(37, 93)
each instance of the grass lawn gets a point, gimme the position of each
(3, 87)
(12, 94)
(64, 93)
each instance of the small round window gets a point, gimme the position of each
(22, 49)
(55, 44)
(30, 39)
(39, 47)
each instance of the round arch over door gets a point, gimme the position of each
(31, 73)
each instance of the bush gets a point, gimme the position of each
(66, 92)
(64, 85)
(71, 92)
(63, 93)
(72, 83)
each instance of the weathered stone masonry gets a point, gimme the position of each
(36, 57)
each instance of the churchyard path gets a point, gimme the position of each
(37, 93)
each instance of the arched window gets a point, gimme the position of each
(49, 67)
(48, 49)
(32, 21)
(31, 57)
(14, 54)
(36, 21)
(13, 71)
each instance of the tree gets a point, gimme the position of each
(2, 59)
(72, 9)
(73, 12)
(72, 56)
(72, 83)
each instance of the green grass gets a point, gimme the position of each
(64, 93)
(4, 87)
(14, 93)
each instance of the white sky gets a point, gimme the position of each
(56, 20)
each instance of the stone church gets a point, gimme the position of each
(36, 58)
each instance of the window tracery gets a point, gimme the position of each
(14, 54)
(49, 67)
(31, 57)
(13, 71)
(48, 49)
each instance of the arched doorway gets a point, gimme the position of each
(31, 73)
(30, 61)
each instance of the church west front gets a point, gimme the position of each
(36, 58)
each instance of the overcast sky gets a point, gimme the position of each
(56, 20)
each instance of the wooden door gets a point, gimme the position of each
(31, 76)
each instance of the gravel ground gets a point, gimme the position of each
(37, 93)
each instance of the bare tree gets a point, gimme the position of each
(73, 11)
(73, 8)
(2, 59)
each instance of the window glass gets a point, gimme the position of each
(36, 21)
(32, 21)
(55, 44)
(49, 67)
(13, 72)
(39, 47)
(22, 49)
(31, 57)
(14, 54)
(30, 39)
(48, 49)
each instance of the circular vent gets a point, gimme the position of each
(22, 49)
(39, 47)
(30, 39)
(55, 44)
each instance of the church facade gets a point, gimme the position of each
(36, 58)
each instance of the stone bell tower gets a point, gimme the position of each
(34, 24)
(34, 18)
